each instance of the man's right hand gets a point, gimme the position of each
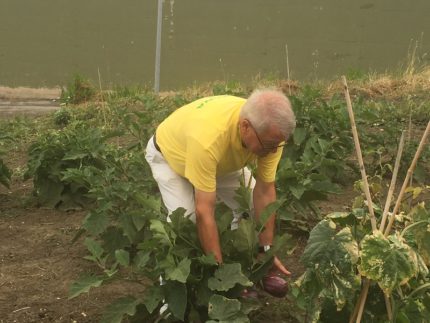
(280, 266)
(206, 224)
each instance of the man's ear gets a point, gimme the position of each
(244, 125)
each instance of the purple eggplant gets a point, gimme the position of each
(275, 285)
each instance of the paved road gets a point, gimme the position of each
(10, 109)
(27, 101)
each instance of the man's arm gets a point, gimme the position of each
(206, 225)
(264, 194)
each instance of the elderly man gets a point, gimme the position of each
(201, 150)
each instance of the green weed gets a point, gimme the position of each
(79, 90)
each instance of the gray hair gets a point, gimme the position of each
(267, 108)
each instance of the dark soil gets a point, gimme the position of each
(38, 263)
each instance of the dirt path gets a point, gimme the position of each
(37, 261)
(28, 101)
(38, 264)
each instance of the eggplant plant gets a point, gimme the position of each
(129, 236)
(5, 172)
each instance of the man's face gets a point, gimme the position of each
(262, 143)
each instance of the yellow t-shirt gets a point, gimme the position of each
(201, 141)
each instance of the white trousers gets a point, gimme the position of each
(176, 191)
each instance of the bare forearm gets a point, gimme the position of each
(206, 225)
(263, 196)
(208, 235)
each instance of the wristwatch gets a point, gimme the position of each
(265, 248)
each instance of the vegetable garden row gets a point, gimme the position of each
(91, 155)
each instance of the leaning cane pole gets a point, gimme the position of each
(366, 283)
(408, 176)
(358, 311)
(359, 155)
(393, 182)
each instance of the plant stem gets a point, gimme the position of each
(188, 242)
(412, 226)
(417, 290)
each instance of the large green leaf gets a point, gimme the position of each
(245, 237)
(243, 196)
(222, 308)
(306, 290)
(297, 190)
(148, 201)
(84, 284)
(421, 230)
(5, 174)
(176, 298)
(114, 239)
(414, 311)
(115, 312)
(299, 135)
(141, 259)
(208, 260)
(95, 222)
(184, 228)
(269, 210)
(224, 222)
(342, 218)
(139, 219)
(94, 247)
(325, 244)
(127, 225)
(122, 256)
(160, 233)
(153, 296)
(49, 190)
(181, 272)
(423, 242)
(325, 186)
(332, 256)
(227, 276)
(388, 261)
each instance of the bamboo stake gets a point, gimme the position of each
(359, 155)
(408, 175)
(363, 295)
(358, 312)
(359, 308)
(393, 182)
(363, 301)
(357, 305)
(288, 69)
(388, 306)
(409, 142)
(387, 207)
(381, 228)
